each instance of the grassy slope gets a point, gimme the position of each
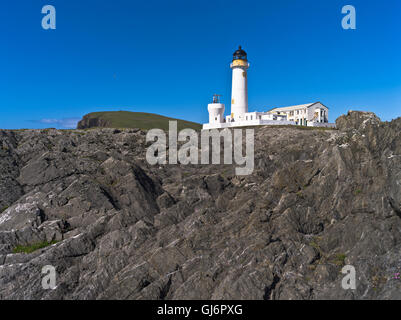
(141, 120)
(33, 247)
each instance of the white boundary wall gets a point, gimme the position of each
(257, 122)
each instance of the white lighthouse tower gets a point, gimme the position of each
(216, 110)
(239, 92)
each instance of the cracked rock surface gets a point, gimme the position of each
(317, 200)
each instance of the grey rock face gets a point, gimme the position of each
(88, 122)
(317, 200)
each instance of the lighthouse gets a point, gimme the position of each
(216, 110)
(310, 114)
(239, 92)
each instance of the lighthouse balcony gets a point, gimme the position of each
(239, 63)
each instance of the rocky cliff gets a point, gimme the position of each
(89, 121)
(118, 228)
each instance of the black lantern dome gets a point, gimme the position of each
(240, 54)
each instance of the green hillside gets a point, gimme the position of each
(127, 119)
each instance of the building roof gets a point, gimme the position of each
(300, 106)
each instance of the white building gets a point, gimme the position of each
(312, 114)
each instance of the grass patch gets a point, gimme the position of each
(33, 247)
(339, 259)
(358, 191)
(3, 209)
(300, 195)
(378, 281)
(315, 243)
(226, 172)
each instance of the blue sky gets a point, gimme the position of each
(169, 57)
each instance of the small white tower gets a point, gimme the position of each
(239, 93)
(216, 110)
